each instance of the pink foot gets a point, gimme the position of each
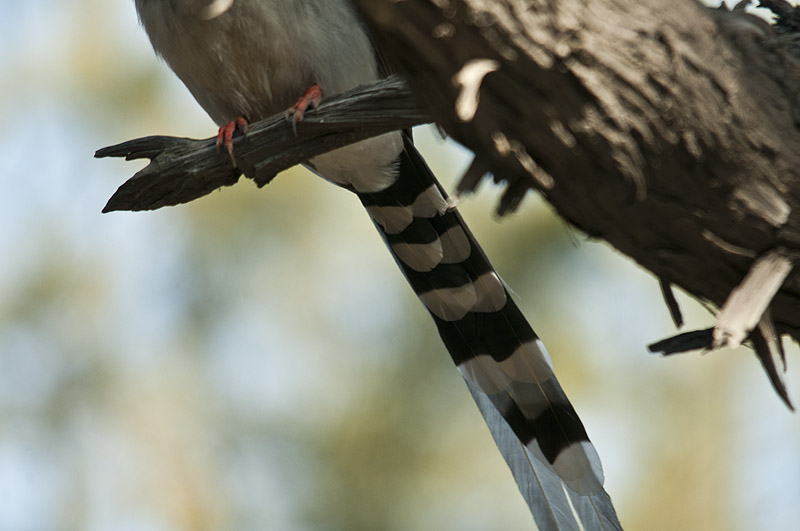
(226, 132)
(309, 100)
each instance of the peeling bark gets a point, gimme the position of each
(668, 129)
(184, 169)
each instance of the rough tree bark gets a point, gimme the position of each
(668, 129)
(184, 169)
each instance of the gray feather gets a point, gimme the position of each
(554, 506)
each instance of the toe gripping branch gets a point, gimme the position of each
(226, 132)
(744, 316)
(310, 100)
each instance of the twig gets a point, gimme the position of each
(183, 169)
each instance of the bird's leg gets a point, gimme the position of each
(226, 132)
(310, 99)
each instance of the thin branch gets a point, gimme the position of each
(183, 169)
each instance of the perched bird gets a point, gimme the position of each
(245, 60)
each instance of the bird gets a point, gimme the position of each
(246, 60)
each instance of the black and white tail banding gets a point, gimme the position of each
(505, 365)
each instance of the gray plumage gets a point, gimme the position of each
(255, 58)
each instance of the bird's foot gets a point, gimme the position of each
(226, 132)
(309, 100)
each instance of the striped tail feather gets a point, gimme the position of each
(505, 365)
(555, 506)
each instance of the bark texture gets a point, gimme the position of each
(668, 129)
(184, 169)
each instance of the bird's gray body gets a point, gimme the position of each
(257, 57)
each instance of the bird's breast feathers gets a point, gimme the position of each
(254, 58)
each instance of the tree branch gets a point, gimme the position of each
(668, 129)
(182, 169)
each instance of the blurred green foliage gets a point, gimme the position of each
(254, 360)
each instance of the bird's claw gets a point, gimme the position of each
(310, 100)
(226, 132)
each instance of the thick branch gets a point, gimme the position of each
(183, 169)
(666, 128)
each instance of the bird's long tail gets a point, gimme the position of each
(505, 365)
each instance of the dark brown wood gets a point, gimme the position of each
(668, 129)
(183, 169)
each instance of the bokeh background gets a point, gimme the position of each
(254, 360)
